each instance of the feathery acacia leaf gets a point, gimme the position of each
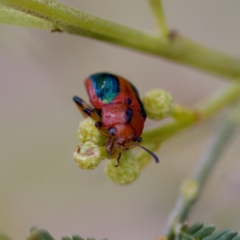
(198, 231)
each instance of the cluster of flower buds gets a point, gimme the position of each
(158, 105)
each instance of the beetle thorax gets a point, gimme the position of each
(125, 118)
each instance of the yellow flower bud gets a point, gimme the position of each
(190, 189)
(158, 104)
(89, 156)
(127, 171)
(88, 132)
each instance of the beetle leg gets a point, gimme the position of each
(109, 147)
(132, 145)
(101, 129)
(118, 159)
(86, 109)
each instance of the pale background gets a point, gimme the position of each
(40, 184)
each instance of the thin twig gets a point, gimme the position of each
(192, 187)
(158, 12)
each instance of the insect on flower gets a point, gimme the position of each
(118, 112)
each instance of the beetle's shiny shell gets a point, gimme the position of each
(104, 88)
(117, 100)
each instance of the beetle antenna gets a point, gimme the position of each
(151, 153)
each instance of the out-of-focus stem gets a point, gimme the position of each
(192, 187)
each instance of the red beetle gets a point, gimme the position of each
(118, 112)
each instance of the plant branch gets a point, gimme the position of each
(206, 110)
(192, 187)
(176, 48)
(158, 12)
(11, 16)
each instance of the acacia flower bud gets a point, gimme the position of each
(158, 104)
(88, 132)
(190, 189)
(89, 156)
(127, 171)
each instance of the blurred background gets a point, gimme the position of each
(41, 185)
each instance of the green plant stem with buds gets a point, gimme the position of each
(193, 186)
(206, 110)
(176, 47)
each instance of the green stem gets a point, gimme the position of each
(176, 48)
(157, 9)
(192, 187)
(206, 110)
(11, 16)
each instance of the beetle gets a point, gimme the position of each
(118, 111)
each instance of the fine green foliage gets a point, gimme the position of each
(77, 237)
(198, 231)
(39, 234)
(74, 237)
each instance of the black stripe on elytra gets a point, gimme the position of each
(143, 112)
(129, 101)
(129, 114)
